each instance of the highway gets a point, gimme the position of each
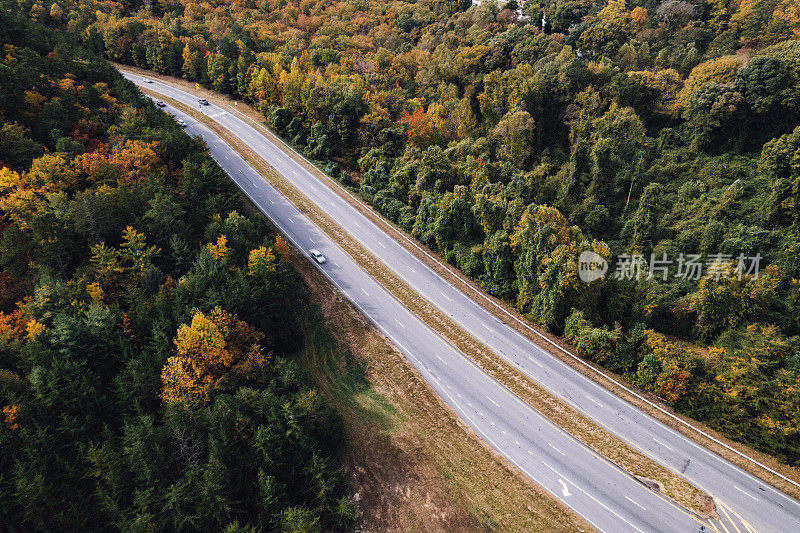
(595, 489)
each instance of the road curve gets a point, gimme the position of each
(594, 488)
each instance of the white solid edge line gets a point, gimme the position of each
(446, 363)
(592, 497)
(515, 463)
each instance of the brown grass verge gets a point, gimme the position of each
(587, 431)
(414, 466)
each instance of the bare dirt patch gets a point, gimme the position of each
(414, 465)
(744, 456)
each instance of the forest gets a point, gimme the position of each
(512, 137)
(147, 326)
(662, 136)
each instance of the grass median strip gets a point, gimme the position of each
(561, 414)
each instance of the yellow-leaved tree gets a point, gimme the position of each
(719, 70)
(262, 262)
(207, 349)
(116, 266)
(219, 250)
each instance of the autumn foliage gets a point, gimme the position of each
(262, 261)
(508, 144)
(138, 386)
(282, 247)
(207, 349)
(219, 249)
(10, 416)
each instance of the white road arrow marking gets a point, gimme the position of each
(564, 490)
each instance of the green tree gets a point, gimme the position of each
(516, 132)
(641, 229)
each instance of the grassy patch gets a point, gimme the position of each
(747, 458)
(345, 380)
(414, 465)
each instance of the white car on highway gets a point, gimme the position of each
(317, 255)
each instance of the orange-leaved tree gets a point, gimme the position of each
(668, 369)
(282, 247)
(12, 325)
(10, 415)
(207, 349)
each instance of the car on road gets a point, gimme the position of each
(147, 80)
(181, 123)
(317, 255)
(203, 101)
(161, 104)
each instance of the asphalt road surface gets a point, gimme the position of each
(597, 490)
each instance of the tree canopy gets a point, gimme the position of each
(509, 138)
(147, 329)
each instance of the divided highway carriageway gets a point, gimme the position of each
(608, 498)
